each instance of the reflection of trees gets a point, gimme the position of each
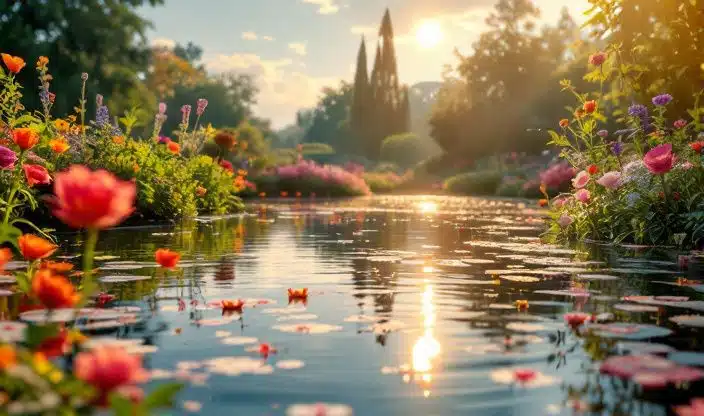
(225, 271)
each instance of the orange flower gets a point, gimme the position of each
(92, 199)
(13, 63)
(174, 147)
(543, 202)
(25, 138)
(239, 182)
(262, 194)
(589, 106)
(53, 291)
(522, 304)
(200, 191)
(298, 294)
(579, 113)
(241, 172)
(284, 194)
(8, 356)
(564, 123)
(57, 267)
(5, 257)
(136, 168)
(61, 125)
(42, 62)
(59, 145)
(167, 258)
(298, 194)
(232, 306)
(33, 247)
(118, 139)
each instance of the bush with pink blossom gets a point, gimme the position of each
(307, 177)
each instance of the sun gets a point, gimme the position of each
(429, 34)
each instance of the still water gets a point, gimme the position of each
(411, 311)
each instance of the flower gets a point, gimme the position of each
(524, 375)
(583, 196)
(680, 124)
(632, 199)
(25, 138)
(298, 294)
(659, 160)
(593, 169)
(92, 199)
(7, 158)
(581, 180)
(5, 257)
(136, 168)
(61, 125)
(522, 304)
(616, 148)
(579, 113)
(200, 191)
(118, 139)
(556, 175)
(564, 123)
(164, 140)
(56, 267)
(565, 220)
(232, 306)
(167, 258)
(201, 104)
(697, 146)
(695, 408)
(109, 368)
(227, 166)
(541, 203)
(265, 350)
(676, 196)
(13, 63)
(53, 290)
(262, 194)
(687, 165)
(162, 108)
(8, 356)
(576, 319)
(34, 248)
(174, 147)
(598, 58)
(638, 110)
(610, 180)
(589, 106)
(59, 145)
(36, 174)
(662, 99)
(225, 140)
(42, 62)
(603, 133)
(103, 299)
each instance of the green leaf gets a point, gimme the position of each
(162, 396)
(9, 234)
(44, 233)
(557, 139)
(36, 334)
(23, 282)
(121, 405)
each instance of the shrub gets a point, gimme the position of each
(307, 177)
(474, 183)
(385, 182)
(312, 149)
(405, 150)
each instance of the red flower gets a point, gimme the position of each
(36, 174)
(676, 196)
(697, 146)
(103, 299)
(232, 305)
(225, 140)
(25, 138)
(13, 63)
(524, 375)
(33, 247)
(56, 346)
(576, 319)
(167, 258)
(589, 106)
(53, 291)
(598, 59)
(660, 159)
(543, 202)
(564, 123)
(266, 349)
(227, 166)
(174, 147)
(298, 294)
(92, 199)
(593, 169)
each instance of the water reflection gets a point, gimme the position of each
(426, 348)
(428, 207)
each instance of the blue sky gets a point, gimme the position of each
(295, 47)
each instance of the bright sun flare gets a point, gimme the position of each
(429, 34)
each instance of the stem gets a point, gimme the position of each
(664, 187)
(83, 119)
(8, 210)
(88, 253)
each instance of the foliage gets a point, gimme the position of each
(474, 183)
(405, 150)
(328, 122)
(385, 182)
(310, 149)
(308, 178)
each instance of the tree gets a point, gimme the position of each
(360, 109)
(329, 123)
(105, 39)
(169, 70)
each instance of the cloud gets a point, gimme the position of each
(324, 6)
(299, 48)
(268, 38)
(163, 43)
(249, 36)
(283, 88)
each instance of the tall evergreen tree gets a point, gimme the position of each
(360, 99)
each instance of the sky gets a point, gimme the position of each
(293, 48)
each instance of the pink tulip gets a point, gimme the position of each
(659, 160)
(583, 196)
(581, 180)
(565, 220)
(610, 180)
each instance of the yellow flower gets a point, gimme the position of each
(61, 125)
(59, 145)
(42, 62)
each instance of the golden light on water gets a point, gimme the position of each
(426, 348)
(427, 207)
(429, 34)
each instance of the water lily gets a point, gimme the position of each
(522, 305)
(232, 306)
(298, 294)
(610, 180)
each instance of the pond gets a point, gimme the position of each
(415, 306)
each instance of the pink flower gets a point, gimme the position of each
(109, 369)
(524, 375)
(687, 165)
(36, 174)
(576, 319)
(581, 180)
(565, 220)
(659, 160)
(559, 202)
(695, 408)
(583, 196)
(597, 59)
(680, 124)
(610, 180)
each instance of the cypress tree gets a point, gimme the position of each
(361, 98)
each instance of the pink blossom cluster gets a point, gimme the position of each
(557, 174)
(307, 169)
(354, 168)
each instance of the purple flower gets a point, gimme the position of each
(162, 108)
(638, 110)
(602, 133)
(617, 148)
(662, 99)
(7, 158)
(102, 116)
(164, 140)
(201, 104)
(186, 114)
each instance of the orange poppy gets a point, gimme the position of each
(34, 248)
(232, 305)
(174, 147)
(13, 63)
(167, 258)
(53, 291)
(25, 138)
(59, 145)
(298, 294)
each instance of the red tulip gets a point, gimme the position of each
(92, 199)
(36, 175)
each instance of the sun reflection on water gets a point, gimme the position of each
(428, 207)
(426, 349)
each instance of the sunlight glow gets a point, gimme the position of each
(426, 348)
(429, 34)
(427, 207)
